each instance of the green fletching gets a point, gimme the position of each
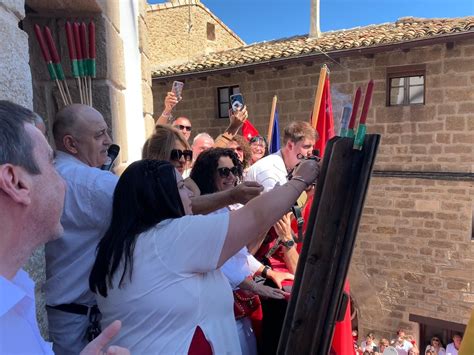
(59, 71)
(81, 68)
(350, 133)
(359, 139)
(52, 72)
(75, 68)
(92, 68)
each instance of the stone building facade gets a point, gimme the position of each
(413, 264)
(183, 29)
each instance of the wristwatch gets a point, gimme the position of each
(265, 270)
(288, 244)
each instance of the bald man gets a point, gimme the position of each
(81, 137)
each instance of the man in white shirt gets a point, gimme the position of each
(82, 139)
(31, 201)
(402, 345)
(298, 141)
(453, 348)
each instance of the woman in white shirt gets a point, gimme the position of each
(157, 267)
(436, 346)
(219, 169)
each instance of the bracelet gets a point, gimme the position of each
(168, 116)
(265, 270)
(299, 178)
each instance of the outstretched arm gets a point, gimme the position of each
(259, 214)
(170, 101)
(242, 193)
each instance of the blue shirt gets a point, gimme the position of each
(86, 216)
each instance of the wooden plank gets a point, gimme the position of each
(328, 245)
(304, 251)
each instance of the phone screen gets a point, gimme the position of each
(237, 102)
(177, 88)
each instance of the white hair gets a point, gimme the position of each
(202, 135)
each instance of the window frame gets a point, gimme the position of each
(405, 71)
(231, 89)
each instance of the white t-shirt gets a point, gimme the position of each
(404, 348)
(451, 350)
(441, 351)
(175, 287)
(268, 171)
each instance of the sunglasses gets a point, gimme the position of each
(257, 139)
(176, 154)
(182, 128)
(225, 172)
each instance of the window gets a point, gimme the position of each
(406, 85)
(211, 31)
(430, 327)
(223, 96)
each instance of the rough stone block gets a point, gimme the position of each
(115, 56)
(15, 74)
(17, 7)
(111, 10)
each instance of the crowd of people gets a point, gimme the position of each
(180, 252)
(405, 344)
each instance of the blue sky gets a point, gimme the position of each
(263, 20)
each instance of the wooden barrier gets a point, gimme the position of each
(327, 248)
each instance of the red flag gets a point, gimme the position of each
(249, 131)
(325, 123)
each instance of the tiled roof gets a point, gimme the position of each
(404, 30)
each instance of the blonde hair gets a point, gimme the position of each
(161, 142)
(299, 130)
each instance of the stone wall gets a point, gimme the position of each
(15, 76)
(414, 253)
(144, 47)
(172, 41)
(110, 81)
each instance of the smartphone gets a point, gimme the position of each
(236, 102)
(177, 89)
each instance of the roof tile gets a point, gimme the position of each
(405, 29)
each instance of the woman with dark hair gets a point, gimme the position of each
(157, 267)
(219, 169)
(206, 173)
(241, 147)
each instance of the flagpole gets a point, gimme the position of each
(319, 94)
(272, 119)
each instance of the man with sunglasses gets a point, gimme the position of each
(81, 137)
(184, 126)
